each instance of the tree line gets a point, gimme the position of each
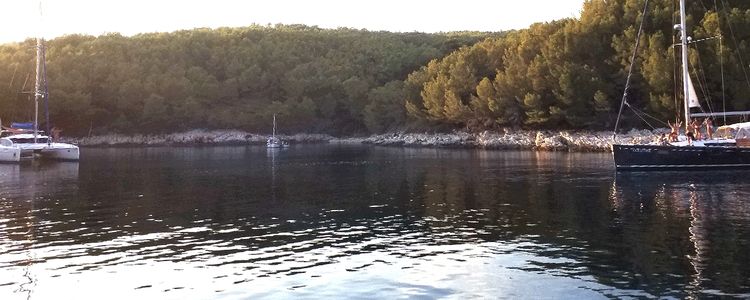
(568, 73)
(571, 73)
(339, 81)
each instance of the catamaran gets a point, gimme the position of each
(31, 145)
(729, 148)
(26, 137)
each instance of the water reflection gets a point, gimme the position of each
(22, 188)
(369, 222)
(698, 220)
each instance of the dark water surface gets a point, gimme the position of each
(353, 222)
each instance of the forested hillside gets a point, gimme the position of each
(339, 81)
(564, 74)
(571, 73)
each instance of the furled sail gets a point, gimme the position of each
(692, 96)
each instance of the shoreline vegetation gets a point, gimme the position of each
(537, 140)
(564, 75)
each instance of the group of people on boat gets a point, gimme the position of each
(693, 133)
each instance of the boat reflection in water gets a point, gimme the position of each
(22, 187)
(330, 221)
(702, 221)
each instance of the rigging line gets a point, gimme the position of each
(723, 90)
(637, 111)
(10, 85)
(700, 74)
(674, 66)
(630, 69)
(736, 45)
(721, 62)
(704, 5)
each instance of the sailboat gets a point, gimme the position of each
(273, 141)
(26, 137)
(730, 149)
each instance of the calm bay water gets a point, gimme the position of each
(354, 222)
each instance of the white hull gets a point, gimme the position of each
(274, 142)
(54, 151)
(70, 153)
(10, 154)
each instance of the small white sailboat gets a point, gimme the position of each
(273, 141)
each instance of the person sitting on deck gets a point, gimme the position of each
(709, 128)
(690, 137)
(663, 140)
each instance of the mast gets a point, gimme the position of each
(685, 74)
(274, 126)
(39, 84)
(40, 80)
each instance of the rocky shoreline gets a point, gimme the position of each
(192, 138)
(575, 141)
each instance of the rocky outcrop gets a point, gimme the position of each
(457, 139)
(194, 137)
(580, 141)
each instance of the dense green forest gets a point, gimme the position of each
(341, 81)
(563, 74)
(571, 73)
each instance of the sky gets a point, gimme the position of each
(20, 19)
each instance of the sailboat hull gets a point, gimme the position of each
(51, 151)
(69, 154)
(667, 157)
(10, 154)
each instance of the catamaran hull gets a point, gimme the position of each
(71, 154)
(68, 153)
(10, 154)
(654, 157)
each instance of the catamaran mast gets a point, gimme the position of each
(685, 74)
(39, 84)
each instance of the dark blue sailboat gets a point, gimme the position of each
(731, 149)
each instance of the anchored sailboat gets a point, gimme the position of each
(729, 149)
(273, 141)
(26, 137)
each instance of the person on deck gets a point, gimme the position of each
(675, 130)
(663, 139)
(696, 129)
(55, 133)
(709, 128)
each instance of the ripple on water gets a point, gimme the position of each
(455, 224)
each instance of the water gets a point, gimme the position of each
(352, 222)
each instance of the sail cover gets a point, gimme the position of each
(17, 125)
(692, 96)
